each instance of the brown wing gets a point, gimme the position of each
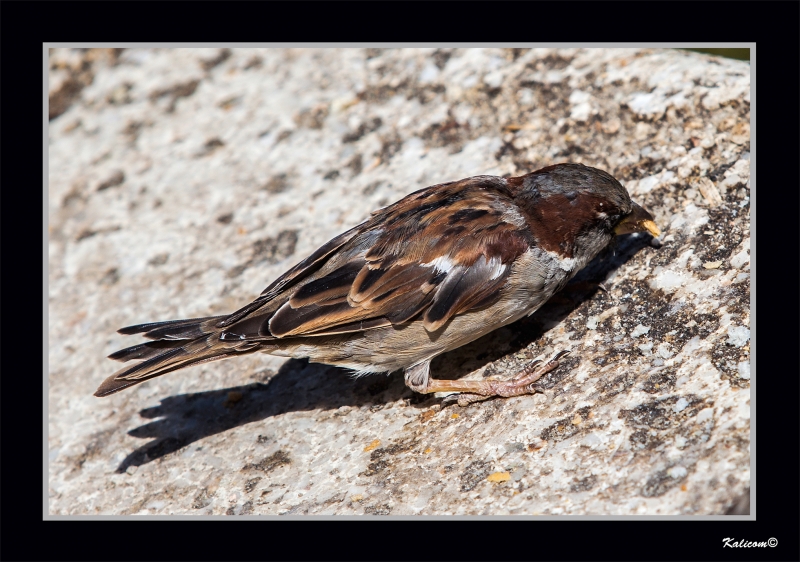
(436, 253)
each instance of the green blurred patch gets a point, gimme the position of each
(740, 54)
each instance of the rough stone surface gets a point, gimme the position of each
(183, 181)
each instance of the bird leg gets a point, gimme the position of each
(418, 376)
(523, 382)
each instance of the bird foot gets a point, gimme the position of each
(470, 392)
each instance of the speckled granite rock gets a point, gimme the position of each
(183, 181)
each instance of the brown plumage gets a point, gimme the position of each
(439, 268)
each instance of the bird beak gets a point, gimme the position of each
(638, 220)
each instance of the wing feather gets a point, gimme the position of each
(437, 253)
(465, 288)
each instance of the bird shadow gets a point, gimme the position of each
(299, 385)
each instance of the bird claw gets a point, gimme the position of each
(449, 400)
(561, 354)
(462, 399)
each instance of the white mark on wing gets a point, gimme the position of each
(442, 264)
(497, 268)
(514, 217)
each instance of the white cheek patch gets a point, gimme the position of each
(566, 264)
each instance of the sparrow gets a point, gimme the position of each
(438, 269)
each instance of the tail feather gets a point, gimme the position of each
(177, 325)
(167, 362)
(144, 350)
(134, 374)
(180, 332)
(179, 344)
(150, 365)
(111, 385)
(119, 381)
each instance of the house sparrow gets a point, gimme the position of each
(436, 270)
